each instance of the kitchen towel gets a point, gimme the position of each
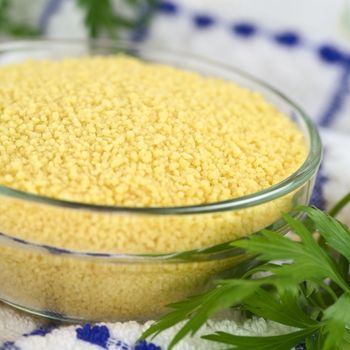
(22, 332)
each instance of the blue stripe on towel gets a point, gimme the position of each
(100, 336)
(337, 99)
(289, 39)
(143, 345)
(327, 53)
(97, 335)
(318, 198)
(203, 21)
(331, 54)
(9, 345)
(39, 331)
(168, 7)
(50, 9)
(118, 344)
(244, 29)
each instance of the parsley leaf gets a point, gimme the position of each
(337, 323)
(198, 309)
(10, 27)
(302, 284)
(102, 18)
(278, 342)
(335, 233)
(281, 307)
(309, 260)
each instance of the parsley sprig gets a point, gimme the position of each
(8, 26)
(101, 18)
(309, 290)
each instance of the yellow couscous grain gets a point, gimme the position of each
(118, 131)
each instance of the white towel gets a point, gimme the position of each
(19, 331)
(312, 69)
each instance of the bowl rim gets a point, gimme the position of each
(292, 182)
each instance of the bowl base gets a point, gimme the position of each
(43, 313)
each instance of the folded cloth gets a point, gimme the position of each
(316, 74)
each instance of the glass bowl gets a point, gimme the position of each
(68, 260)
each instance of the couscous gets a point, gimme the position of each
(118, 131)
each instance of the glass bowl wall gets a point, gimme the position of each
(76, 261)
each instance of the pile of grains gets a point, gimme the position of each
(118, 131)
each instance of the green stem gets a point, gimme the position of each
(340, 205)
(344, 267)
(330, 291)
(343, 262)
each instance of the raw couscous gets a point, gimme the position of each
(121, 132)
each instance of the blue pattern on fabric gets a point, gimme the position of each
(327, 53)
(144, 14)
(331, 54)
(288, 39)
(318, 198)
(244, 29)
(9, 345)
(39, 331)
(118, 344)
(100, 336)
(97, 335)
(139, 34)
(203, 21)
(337, 99)
(168, 7)
(50, 9)
(143, 345)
